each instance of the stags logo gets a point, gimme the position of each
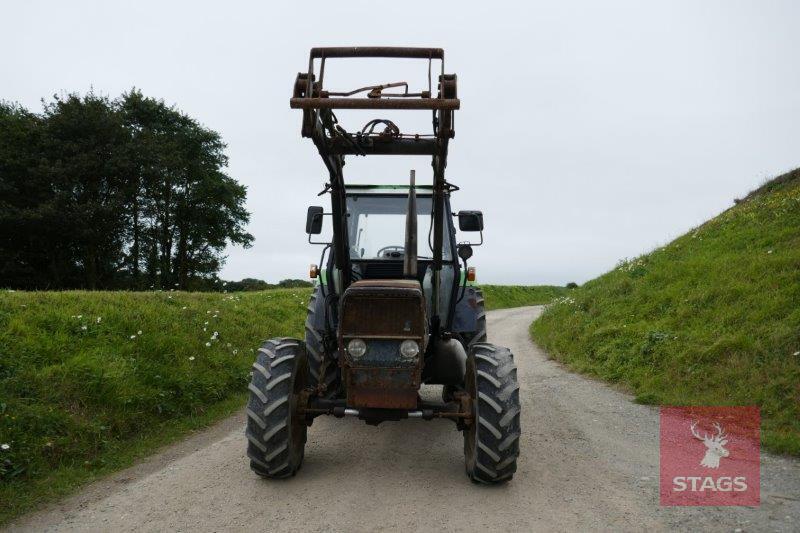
(720, 467)
(715, 446)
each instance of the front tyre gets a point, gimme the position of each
(491, 442)
(276, 433)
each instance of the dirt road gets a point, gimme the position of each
(589, 461)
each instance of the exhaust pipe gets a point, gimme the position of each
(410, 255)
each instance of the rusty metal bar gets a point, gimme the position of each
(375, 103)
(377, 51)
(378, 147)
(409, 414)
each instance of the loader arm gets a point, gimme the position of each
(334, 142)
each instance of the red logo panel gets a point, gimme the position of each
(710, 456)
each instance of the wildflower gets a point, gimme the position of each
(83, 328)
(139, 332)
(208, 345)
(184, 307)
(133, 337)
(214, 336)
(99, 319)
(5, 447)
(228, 345)
(769, 251)
(205, 329)
(205, 323)
(235, 352)
(79, 317)
(796, 353)
(176, 284)
(191, 358)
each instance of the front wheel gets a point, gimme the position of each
(491, 441)
(276, 432)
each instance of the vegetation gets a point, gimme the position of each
(89, 381)
(128, 193)
(251, 284)
(502, 296)
(713, 318)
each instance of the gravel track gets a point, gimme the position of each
(589, 460)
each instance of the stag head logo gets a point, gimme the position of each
(715, 445)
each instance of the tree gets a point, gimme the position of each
(188, 208)
(27, 246)
(98, 193)
(83, 141)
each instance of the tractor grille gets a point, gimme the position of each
(384, 270)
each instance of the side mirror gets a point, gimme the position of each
(470, 221)
(314, 220)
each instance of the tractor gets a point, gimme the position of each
(389, 311)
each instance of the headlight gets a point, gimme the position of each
(409, 349)
(356, 348)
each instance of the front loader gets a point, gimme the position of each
(394, 307)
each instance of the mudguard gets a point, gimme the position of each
(466, 314)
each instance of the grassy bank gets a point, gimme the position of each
(502, 296)
(712, 318)
(91, 381)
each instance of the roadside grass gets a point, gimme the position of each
(712, 318)
(502, 296)
(92, 381)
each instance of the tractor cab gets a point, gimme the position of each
(376, 225)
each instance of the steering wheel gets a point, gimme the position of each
(391, 251)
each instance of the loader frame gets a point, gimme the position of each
(333, 142)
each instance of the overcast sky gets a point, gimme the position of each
(589, 131)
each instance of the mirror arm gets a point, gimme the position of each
(474, 243)
(315, 242)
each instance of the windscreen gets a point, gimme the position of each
(377, 226)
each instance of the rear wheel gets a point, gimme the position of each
(276, 433)
(479, 335)
(322, 369)
(491, 442)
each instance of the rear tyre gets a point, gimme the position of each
(479, 335)
(491, 442)
(276, 433)
(319, 372)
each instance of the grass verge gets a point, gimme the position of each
(91, 381)
(713, 318)
(502, 296)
